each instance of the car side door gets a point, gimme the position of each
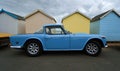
(56, 39)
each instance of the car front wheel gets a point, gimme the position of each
(93, 48)
(33, 48)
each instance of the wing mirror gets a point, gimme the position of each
(68, 32)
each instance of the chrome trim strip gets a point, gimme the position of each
(15, 46)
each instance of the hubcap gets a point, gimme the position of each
(33, 48)
(92, 48)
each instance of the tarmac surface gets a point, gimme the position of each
(16, 60)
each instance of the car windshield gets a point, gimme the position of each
(54, 30)
(40, 31)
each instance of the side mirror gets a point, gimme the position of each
(68, 32)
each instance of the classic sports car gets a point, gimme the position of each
(54, 37)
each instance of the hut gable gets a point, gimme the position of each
(39, 11)
(100, 16)
(15, 16)
(76, 12)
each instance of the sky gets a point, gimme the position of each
(60, 8)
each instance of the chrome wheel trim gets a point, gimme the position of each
(92, 48)
(33, 48)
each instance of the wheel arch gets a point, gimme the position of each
(33, 39)
(91, 50)
(96, 40)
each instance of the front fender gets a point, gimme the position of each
(102, 41)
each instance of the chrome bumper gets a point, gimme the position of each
(106, 46)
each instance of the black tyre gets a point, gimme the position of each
(33, 48)
(93, 48)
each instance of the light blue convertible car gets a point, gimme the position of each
(54, 37)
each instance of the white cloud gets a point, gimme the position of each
(59, 8)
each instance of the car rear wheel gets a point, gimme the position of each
(33, 48)
(93, 48)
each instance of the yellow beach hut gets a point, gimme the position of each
(77, 22)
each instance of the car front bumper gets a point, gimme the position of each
(106, 46)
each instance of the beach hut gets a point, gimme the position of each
(35, 20)
(108, 24)
(77, 22)
(11, 23)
